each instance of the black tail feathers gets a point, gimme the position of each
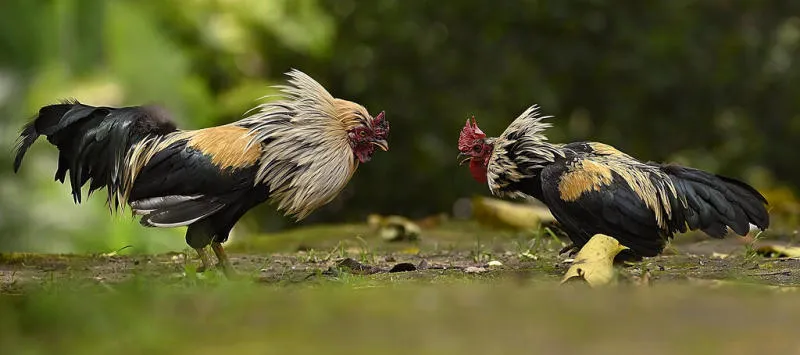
(45, 123)
(92, 141)
(713, 202)
(26, 139)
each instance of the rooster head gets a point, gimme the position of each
(365, 137)
(473, 146)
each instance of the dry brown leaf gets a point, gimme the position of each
(499, 213)
(594, 263)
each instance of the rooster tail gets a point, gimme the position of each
(93, 142)
(29, 135)
(714, 202)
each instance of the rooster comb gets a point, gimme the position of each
(381, 125)
(469, 134)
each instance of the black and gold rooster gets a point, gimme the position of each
(298, 152)
(592, 188)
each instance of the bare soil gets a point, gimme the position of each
(454, 252)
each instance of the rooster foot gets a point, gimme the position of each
(224, 262)
(206, 261)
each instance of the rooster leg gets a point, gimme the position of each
(203, 258)
(224, 262)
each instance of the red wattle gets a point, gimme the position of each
(478, 170)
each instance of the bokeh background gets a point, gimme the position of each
(713, 83)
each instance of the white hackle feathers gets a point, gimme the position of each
(531, 148)
(306, 156)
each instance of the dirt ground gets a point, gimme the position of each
(460, 251)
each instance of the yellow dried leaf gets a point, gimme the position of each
(594, 263)
(499, 213)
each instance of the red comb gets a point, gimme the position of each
(469, 134)
(381, 125)
(380, 117)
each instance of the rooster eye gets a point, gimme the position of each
(477, 148)
(362, 134)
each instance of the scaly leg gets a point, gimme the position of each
(203, 258)
(224, 262)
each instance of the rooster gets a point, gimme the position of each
(297, 152)
(592, 188)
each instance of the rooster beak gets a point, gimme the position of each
(463, 158)
(381, 143)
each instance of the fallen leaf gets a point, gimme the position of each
(499, 213)
(594, 262)
(394, 228)
(495, 263)
(778, 251)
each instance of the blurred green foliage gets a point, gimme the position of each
(707, 83)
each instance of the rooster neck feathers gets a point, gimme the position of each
(306, 157)
(519, 152)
